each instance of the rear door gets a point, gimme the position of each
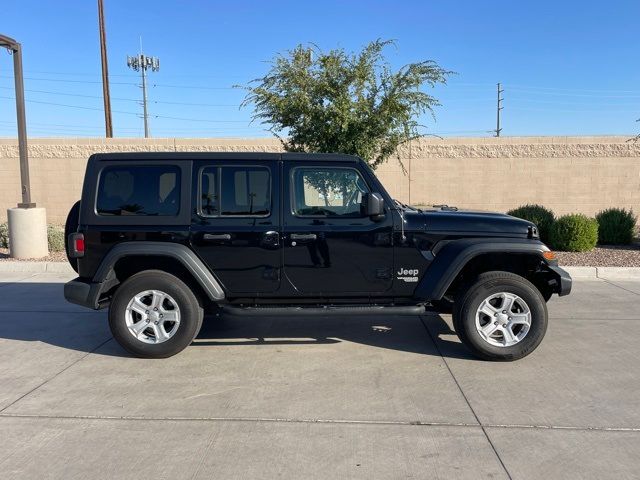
(236, 224)
(330, 248)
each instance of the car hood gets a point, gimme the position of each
(466, 221)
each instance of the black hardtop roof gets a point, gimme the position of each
(132, 156)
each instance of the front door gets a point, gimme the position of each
(330, 248)
(236, 224)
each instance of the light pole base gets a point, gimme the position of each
(27, 233)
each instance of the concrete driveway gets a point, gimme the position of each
(321, 398)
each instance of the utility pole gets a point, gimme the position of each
(141, 63)
(108, 126)
(499, 107)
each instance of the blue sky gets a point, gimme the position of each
(568, 67)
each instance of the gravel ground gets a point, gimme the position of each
(605, 256)
(608, 256)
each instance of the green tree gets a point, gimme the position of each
(341, 102)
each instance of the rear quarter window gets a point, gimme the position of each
(139, 190)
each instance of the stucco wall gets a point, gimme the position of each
(566, 174)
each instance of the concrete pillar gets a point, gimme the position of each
(27, 232)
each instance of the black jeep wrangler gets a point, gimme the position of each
(161, 238)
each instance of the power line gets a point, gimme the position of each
(530, 87)
(201, 119)
(192, 87)
(599, 110)
(131, 113)
(511, 86)
(515, 98)
(68, 81)
(71, 94)
(75, 126)
(199, 104)
(556, 102)
(186, 87)
(49, 92)
(69, 106)
(566, 94)
(95, 75)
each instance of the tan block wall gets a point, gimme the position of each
(566, 174)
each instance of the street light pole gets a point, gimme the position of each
(15, 48)
(27, 224)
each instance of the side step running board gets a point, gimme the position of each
(328, 310)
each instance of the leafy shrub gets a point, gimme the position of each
(55, 238)
(616, 225)
(4, 235)
(542, 217)
(574, 233)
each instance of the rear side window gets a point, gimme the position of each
(139, 190)
(235, 191)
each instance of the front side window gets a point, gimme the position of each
(139, 190)
(235, 191)
(327, 192)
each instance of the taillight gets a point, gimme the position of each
(76, 244)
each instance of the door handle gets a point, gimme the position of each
(216, 236)
(303, 236)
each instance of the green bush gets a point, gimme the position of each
(616, 226)
(55, 237)
(542, 217)
(574, 233)
(4, 235)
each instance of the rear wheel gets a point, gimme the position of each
(500, 316)
(154, 314)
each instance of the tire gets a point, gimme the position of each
(479, 306)
(71, 226)
(179, 302)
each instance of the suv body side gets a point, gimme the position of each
(276, 253)
(162, 237)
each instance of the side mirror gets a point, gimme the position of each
(372, 205)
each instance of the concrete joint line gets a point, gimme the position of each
(55, 375)
(408, 423)
(484, 431)
(620, 287)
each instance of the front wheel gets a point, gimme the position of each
(153, 314)
(500, 316)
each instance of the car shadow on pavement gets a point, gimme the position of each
(402, 333)
(37, 312)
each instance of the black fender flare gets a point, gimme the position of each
(454, 255)
(177, 251)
